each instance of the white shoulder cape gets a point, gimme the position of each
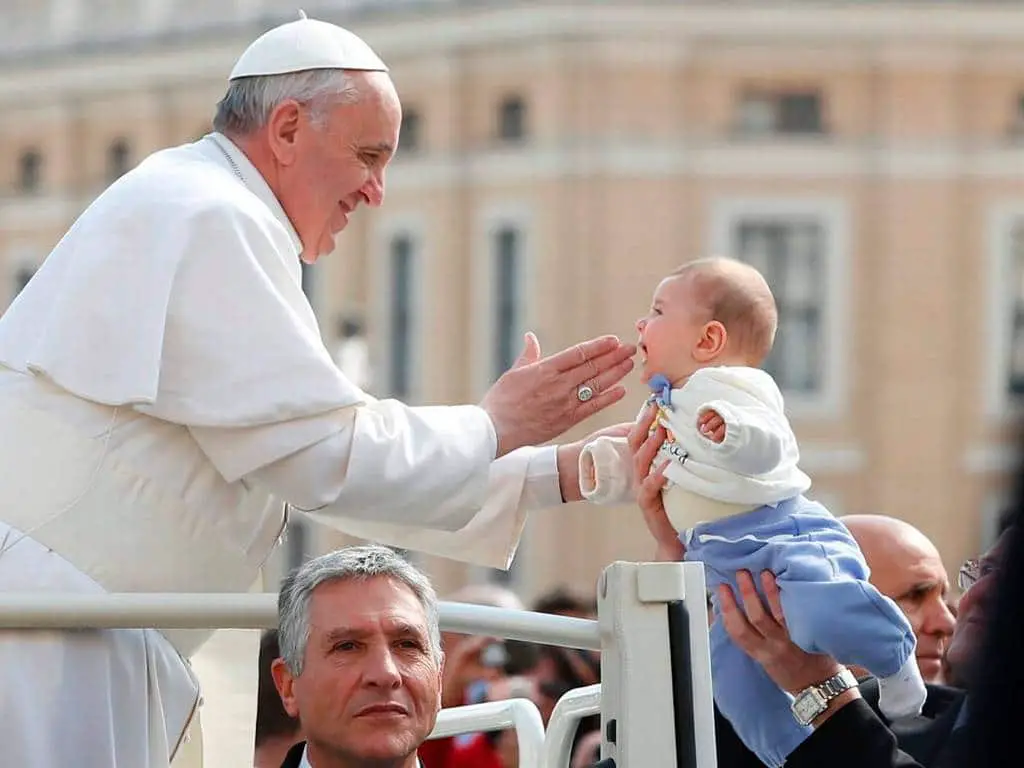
(180, 238)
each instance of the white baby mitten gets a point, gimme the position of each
(606, 471)
(903, 694)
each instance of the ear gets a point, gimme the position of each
(440, 678)
(282, 131)
(285, 684)
(712, 342)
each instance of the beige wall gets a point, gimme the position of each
(632, 165)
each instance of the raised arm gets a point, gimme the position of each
(748, 439)
(245, 370)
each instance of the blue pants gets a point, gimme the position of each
(828, 603)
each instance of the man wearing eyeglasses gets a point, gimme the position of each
(976, 580)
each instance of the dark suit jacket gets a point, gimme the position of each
(294, 756)
(858, 737)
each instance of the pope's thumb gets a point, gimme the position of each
(531, 350)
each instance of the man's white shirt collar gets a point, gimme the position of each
(304, 763)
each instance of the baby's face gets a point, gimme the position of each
(670, 331)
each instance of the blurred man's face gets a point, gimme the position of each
(906, 567)
(918, 585)
(974, 611)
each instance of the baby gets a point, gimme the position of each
(736, 495)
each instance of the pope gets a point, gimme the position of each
(166, 399)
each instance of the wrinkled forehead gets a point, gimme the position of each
(377, 603)
(377, 108)
(916, 569)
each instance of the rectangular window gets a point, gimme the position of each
(400, 317)
(21, 279)
(507, 320)
(119, 158)
(791, 255)
(1015, 370)
(30, 171)
(512, 119)
(409, 137)
(297, 543)
(780, 113)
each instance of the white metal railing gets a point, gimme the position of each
(39, 610)
(655, 693)
(570, 709)
(519, 714)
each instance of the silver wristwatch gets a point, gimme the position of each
(812, 702)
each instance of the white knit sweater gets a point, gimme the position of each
(755, 464)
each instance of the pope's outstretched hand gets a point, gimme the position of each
(538, 399)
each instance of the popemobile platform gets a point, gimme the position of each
(655, 697)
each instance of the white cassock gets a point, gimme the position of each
(164, 396)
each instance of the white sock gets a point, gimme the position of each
(903, 694)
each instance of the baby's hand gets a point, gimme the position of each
(712, 426)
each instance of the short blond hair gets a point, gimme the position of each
(736, 295)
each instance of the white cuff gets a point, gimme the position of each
(605, 471)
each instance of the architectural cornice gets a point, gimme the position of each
(804, 34)
(753, 163)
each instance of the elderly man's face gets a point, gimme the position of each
(906, 567)
(370, 689)
(328, 171)
(973, 613)
(918, 584)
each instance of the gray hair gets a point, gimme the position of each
(249, 101)
(348, 564)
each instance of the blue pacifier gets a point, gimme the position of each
(662, 387)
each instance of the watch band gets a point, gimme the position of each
(839, 683)
(812, 702)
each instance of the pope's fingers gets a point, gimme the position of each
(580, 354)
(598, 402)
(597, 367)
(610, 376)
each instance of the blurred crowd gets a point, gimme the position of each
(951, 618)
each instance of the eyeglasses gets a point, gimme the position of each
(973, 571)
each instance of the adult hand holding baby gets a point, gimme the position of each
(644, 445)
(758, 627)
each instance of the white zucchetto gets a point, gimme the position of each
(303, 45)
